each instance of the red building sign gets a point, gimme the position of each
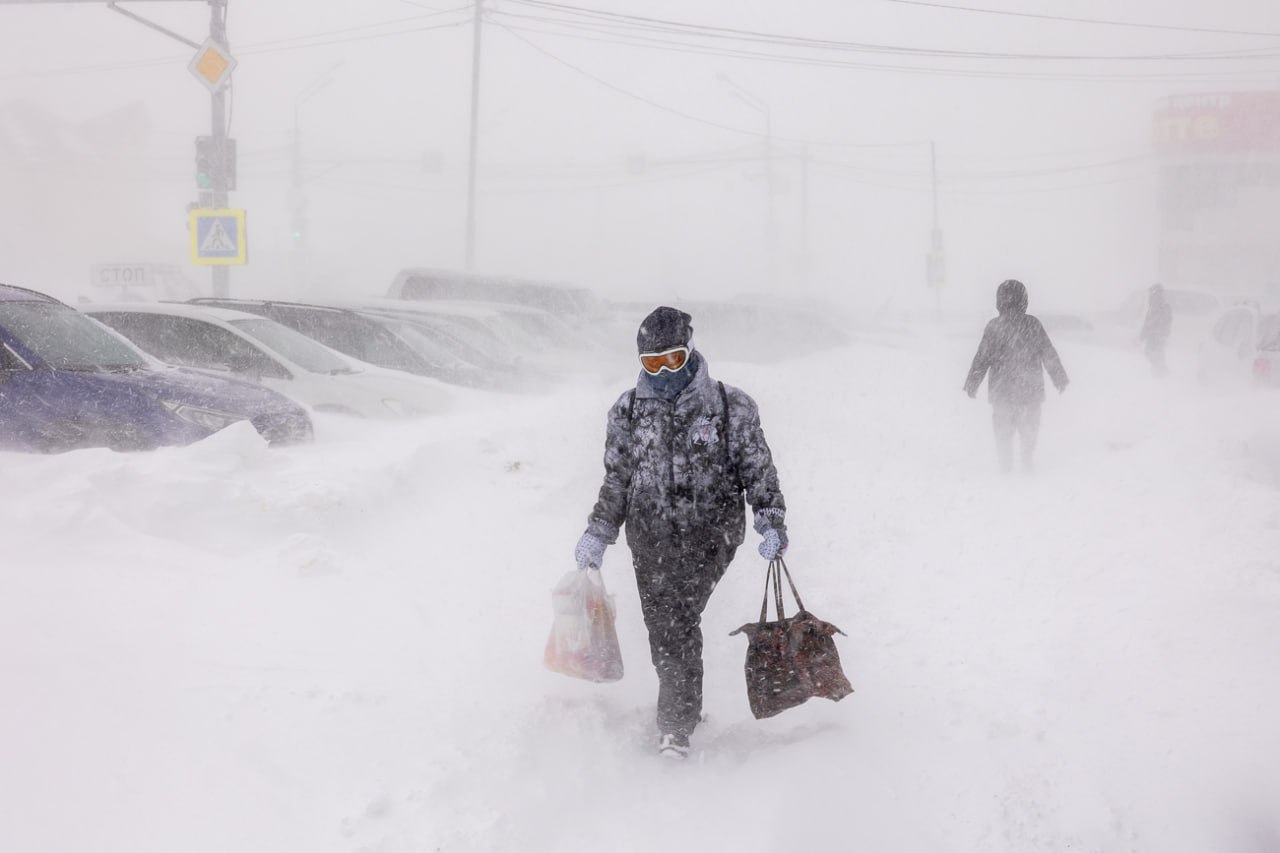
(1222, 123)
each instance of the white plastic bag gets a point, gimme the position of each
(584, 639)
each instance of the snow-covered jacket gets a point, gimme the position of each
(677, 472)
(1016, 349)
(1158, 322)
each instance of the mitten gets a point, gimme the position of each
(589, 552)
(774, 544)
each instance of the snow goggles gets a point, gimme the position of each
(669, 359)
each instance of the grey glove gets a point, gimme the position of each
(589, 551)
(774, 544)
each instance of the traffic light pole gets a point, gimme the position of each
(218, 130)
(219, 179)
(477, 28)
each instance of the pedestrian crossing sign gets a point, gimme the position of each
(218, 237)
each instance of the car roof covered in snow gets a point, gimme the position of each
(11, 293)
(172, 309)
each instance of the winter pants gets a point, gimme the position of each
(675, 584)
(1020, 418)
(1155, 355)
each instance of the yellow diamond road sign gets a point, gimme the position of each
(212, 65)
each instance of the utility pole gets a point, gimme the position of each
(933, 176)
(300, 231)
(771, 220)
(935, 269)
(804, 216)
(475, 137)
(220, 151)
(218, 130)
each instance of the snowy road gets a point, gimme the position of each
(338, 647)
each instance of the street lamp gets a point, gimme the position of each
(298, 213)
(771, 225)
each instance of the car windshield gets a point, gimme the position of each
(433, 351)
(1269, 332)
(472, 346)
(65, 339)
(305, 352)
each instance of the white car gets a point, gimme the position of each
(1241, 345)
(255, 347)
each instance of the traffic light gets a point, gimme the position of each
(298, 229)
(206, 162)
(215, 156)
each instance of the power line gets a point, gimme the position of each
(780, 39)
(360, 27)
(689, 116)
(675, 46)
(1064, 18)
(247, 50)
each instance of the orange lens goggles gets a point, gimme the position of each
(671, 360)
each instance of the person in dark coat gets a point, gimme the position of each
(1015, 350)
(1156, 327)
(683, 455)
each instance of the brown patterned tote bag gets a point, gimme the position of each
(791, 660)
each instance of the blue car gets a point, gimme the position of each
(66, 382)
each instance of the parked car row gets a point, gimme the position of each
(210, 362)
(66, 382)
(259, 349)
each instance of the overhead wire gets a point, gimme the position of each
(1073, 20)
(606, 35)
(277, 46)
(360, 27)
(761, 37)
(690, 116)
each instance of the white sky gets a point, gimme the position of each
(562, 117)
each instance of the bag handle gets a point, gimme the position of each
(773, 577)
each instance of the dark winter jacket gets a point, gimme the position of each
(671, 477)
(1016, 350)
(1158, 322)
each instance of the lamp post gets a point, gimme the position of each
(771, 223)
(298, 197)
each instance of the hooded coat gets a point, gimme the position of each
(1016, 350)
(1159, 320)
(677, 471)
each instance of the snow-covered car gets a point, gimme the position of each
(383, 341)
(1266, 364)
(258, 348)
(1243, 345)
(522, 330)
(67, 382)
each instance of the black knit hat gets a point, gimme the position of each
(664, 329)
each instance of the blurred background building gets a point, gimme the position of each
(1219, 163)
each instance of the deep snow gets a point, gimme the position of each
(338, 647)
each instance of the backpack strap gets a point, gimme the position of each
(631, 406)
(724, 439)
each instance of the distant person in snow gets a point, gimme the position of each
(681, 452)
(1016, 350)
(1156, 327)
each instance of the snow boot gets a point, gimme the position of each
(674, 746)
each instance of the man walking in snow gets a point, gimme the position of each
(681, 452)
(1156, 327)
(1016, 350)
